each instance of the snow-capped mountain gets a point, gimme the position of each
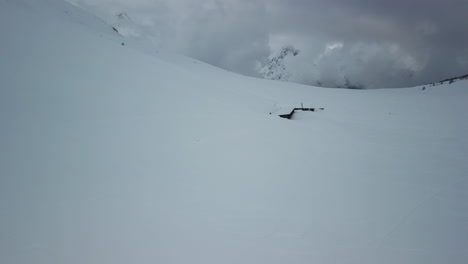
(115, 153)
(274, 68)
(123, 24)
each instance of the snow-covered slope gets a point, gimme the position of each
(114, 153)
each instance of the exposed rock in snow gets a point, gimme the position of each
(274, 67)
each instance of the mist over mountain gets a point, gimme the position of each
(367, 44)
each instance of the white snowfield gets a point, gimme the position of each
(124, 154)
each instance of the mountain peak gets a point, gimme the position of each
(274, 68)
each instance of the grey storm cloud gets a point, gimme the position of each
(368, 43)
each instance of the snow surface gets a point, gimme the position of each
(125, 154)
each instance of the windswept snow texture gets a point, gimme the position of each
(121, 154)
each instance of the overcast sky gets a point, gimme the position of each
(371, 43)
